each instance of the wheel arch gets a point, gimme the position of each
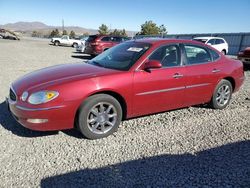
(231, 80)
(114, 94)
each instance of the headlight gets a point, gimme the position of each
(42, 97)
(241, 53)
(24, 96)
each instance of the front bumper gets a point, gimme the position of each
(43, 119)
(80, 48)
(245, 60)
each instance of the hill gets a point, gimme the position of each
(28, 27)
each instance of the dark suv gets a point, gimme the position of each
(96, 44)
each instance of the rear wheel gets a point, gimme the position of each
(99, 116)
(56, 43)
(222, 95)
(223, 52)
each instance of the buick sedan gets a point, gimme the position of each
(132, 79)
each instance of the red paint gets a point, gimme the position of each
(97, 45)
(75, 82)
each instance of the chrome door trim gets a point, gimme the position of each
(197, 85)
(161, 91)
(38, 109)
(172, 89)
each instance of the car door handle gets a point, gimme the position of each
(215, 70)
(177, 75)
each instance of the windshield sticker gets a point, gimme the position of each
(134, 49)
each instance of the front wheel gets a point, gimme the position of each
(75, 45)
(99, 116)
(56, 43)
(222, 95)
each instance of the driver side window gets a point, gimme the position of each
(169, 56)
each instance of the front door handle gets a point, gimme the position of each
(215, 70)
(177, 75)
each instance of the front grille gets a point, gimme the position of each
(12, 95)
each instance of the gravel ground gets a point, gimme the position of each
(191, 147)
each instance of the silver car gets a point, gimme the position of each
(81, 47)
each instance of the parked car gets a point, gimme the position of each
(244, 56)
(96, 44)
(134, 78)
(65, 40)
(219, 44)
(81, 47)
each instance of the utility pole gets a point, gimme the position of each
(62, 24)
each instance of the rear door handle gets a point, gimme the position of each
(215, 70)
(177, 75)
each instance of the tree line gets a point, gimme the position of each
(147, 28)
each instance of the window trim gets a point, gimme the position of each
(214, 60)
(110, 40)
(160, 46)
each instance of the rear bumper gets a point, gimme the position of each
(43, 119)
(92, 50)
(239, 83)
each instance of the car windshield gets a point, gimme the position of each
(121, 57)
(201, 40)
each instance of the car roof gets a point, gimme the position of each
(162, 41)
(207, 38)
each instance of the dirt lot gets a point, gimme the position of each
(192, 147)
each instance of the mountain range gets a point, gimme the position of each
(28, 27)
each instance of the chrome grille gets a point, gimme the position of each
(12, 95)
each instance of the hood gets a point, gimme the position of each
(58, 73)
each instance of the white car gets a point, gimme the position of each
(81, 47)
(219, 44)
(65, 40)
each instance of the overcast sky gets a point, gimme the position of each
(180, 16)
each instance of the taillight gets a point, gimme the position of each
(94, 43)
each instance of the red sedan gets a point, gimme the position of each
(132, 79)
(244, 56)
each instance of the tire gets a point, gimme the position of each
(75, 45)
(222, 95)
(56, 43)
(99, 116)
(223, 52)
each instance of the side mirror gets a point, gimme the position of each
(152, 64)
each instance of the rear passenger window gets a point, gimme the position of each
(197, 55)
(106, 39)
(169, 56)
(211, 41)
(117, 39)
(214, 55)
(219, 41)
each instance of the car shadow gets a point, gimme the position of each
(246, 67)
(82, 56)
(73, 133)
(10, 124)
(224, 166)
(60, 45)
